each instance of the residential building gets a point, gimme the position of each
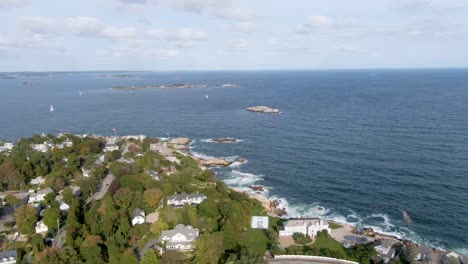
(134, 137)
(450, 257)
(424, 254)
(22, 196)
(183, 198)
(111, 144)
(385, 249)
(6, 147)
(38, 180)
(44, 147)
(180, 238)
(162, 148)
(307, 226)
(138, 216)
(8, 257)
(260, 222)
(41, 227)
(39, 195)
(86, 173)
(64, 207)
(155, 175)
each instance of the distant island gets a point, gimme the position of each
(171, 86)
(263, 109)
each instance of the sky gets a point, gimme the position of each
(57, 35)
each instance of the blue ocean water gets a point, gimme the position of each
(363, 144)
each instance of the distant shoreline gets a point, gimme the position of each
(172, 86)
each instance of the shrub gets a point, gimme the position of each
(300, 238)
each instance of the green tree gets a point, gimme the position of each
(10, 176)
(150, 257)
(73, 162)
(52, 218)
(26, 218)
(12, 200)
(37, 242)
(159, 226)
(209, 248)
(409, 253)
(152, 197)
(91, 250)
(172, 257)
(123, 197)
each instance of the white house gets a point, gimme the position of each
(85, 173)
(260, 222)
(111, 144)
(173, 159)
(6, 147)
(38, 180)
(134, 137)
(64, 207)
(40, 147)
(41, 227)
(8, 257)
(183, 198)
(39, 195)
(155, 175)
(385, 249)
(306, 226)
(138, 216)
(180, 238)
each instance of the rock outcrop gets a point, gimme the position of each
(263, 109)
(223, 140)
(215, 162)
(367, 231)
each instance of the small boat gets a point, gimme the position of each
(81, 93)
(206, 96)
(406, 217)
(51, 108)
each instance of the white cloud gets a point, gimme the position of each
(183, 37)
(245, 27)
(239, 44)
(6, 4)
(40, 25)
(317, 22)
(235, 13)
(196, 5)
(92, 27)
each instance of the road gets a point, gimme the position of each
(103, 190)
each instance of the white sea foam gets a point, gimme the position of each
(242, 179)
(237, 164)
(210, 140)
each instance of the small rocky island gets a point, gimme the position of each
(263, 109)
(223, 140)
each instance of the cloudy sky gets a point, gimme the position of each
(232, 34)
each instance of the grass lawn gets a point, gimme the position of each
(334, 225)
(257, 241)
(322, 246)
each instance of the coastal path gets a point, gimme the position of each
(104, 188)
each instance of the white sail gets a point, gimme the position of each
(51, 108)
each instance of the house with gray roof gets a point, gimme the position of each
(450, 257)
(138, 216)
(8, 257)
(180, 238)
(181, 199)
(424, 254)
(385, 248)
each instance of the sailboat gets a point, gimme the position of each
(81, 93)
(206, 96)
(51, 108)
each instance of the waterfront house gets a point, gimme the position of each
(385, 249)
(181, 199)
(307, 226)
(41, 227)
(180, 238)
(38, 180)
(6, 147)
(424, 254)
(138, 216)
(8, 257)
(134, 137)
(44, 147)
(162, 148)
(450, 257)
(260, 222)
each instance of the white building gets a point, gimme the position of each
(39, 195)
(183, 198)
(44, 147)
(6, 147)
(41, 227)
(111, 144)
(260, 222)
(155, 175)
(64, 207)
(38, 180)
(385, 249)
(307, 226)
(180, 238)
(86, 173)
(134, 137)
(138, 216)
(8, 257)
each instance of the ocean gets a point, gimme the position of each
(355, 146)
